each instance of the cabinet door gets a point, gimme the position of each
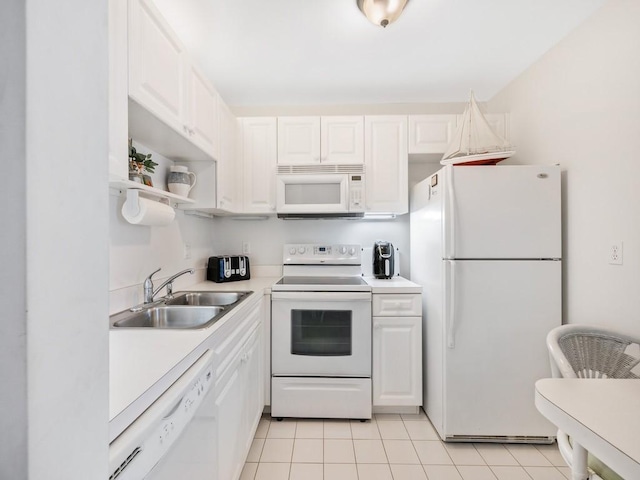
(298, 140)
(229, 404)
(397, 361)
(342, 140)
(266, 328)
(253, 386)
(157, 62)
(431, 133)
(259, 164)
(386, 164)
(203, 112)
(227, 164)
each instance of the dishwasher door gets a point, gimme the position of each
(175, 437)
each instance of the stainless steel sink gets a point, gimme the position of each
(171, 317)
(207, 298)
(186, 310)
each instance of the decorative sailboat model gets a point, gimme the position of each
(475, 142)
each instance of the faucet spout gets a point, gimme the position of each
(169, 283)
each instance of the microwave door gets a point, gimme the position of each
(312, 193)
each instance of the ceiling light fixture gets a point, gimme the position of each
(382, 12)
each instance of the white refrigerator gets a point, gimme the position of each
(486, 247)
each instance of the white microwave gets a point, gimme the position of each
(309, 195)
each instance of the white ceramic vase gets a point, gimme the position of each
(180, 180)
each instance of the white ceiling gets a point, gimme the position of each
(315, 52)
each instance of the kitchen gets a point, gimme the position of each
(565, 108)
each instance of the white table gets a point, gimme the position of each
(603, 416)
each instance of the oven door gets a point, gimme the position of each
(321, 334)
(312, 193)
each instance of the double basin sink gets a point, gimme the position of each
(184, 310)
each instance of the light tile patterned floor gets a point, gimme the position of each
(389, 447)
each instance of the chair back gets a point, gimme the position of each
(583, 351)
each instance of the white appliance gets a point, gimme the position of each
(486, 247)
(323, 190)
(321, 334)
(175, 436)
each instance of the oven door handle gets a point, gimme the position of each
(322, 296)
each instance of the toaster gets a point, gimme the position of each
(230, 268)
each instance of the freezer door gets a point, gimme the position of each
(497, 316)
(506, 212)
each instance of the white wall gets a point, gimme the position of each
(13, 341)
(579, 106)
(268, 236)
(67, 231)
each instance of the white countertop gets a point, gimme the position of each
(144, 363)
(600, 414)
(392, 285)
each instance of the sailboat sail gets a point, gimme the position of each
(475, 142)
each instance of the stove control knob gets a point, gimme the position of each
(343, 250)
(301, 250)
(352, 251)
(292, 251)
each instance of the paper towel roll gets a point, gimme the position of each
(142, 211)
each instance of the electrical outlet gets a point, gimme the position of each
(246, 248)
(615, 253)
(187, 251)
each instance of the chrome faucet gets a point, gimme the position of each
(150, 293)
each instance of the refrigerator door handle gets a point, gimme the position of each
(450, 215)
(451, 306)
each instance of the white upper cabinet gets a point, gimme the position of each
(259, 159)
(202, 116)
(228, 162)
(342, 140)
(431, 133)
(157, 63)
(386, 164)
(313, 140)
(164, 82)
(298, 140)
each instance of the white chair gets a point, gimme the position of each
(583, 351)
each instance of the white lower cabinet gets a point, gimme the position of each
(239, 402)
(397, 361)
(397, 350)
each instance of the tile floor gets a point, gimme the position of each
(389, 447)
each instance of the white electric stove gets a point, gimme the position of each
(321, 334)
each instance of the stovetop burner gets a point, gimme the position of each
(321, 268)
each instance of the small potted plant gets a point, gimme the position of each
(140, 164)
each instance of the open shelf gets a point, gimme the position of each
(126, 184)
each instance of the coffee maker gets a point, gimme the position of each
(383, 259)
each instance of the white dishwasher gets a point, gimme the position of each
(175, 437)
